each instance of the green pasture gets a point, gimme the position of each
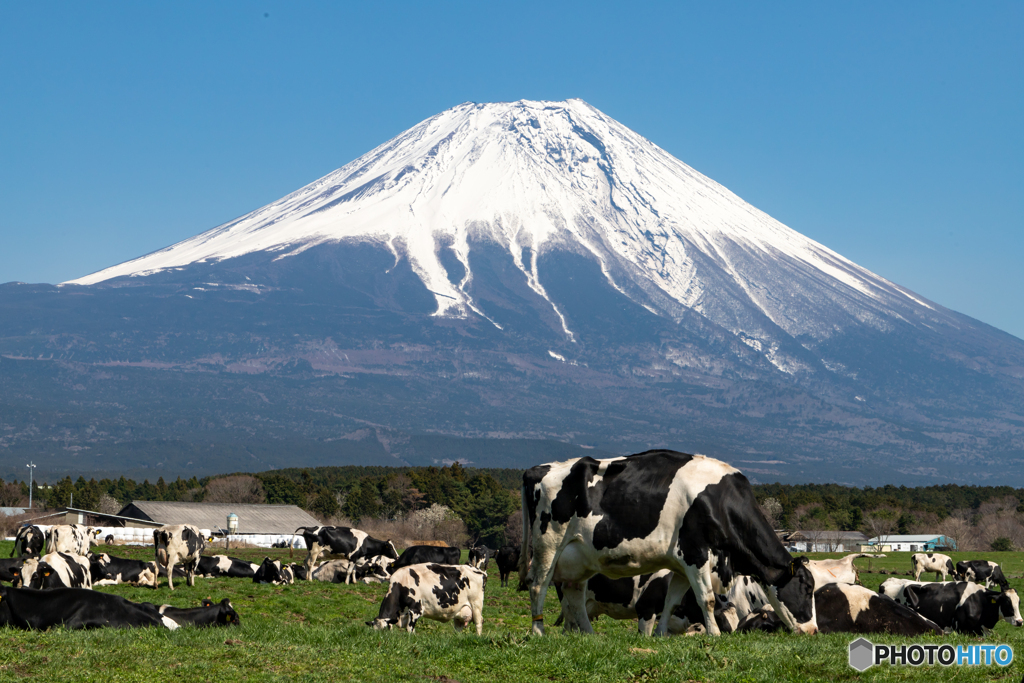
(316, 632)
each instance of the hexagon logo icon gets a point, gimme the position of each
(862, 654)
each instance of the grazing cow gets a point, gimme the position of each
(222, 565)
(441, 592)
(178, 543)
(109, 540)
(210, 614)
(426, 554)
(10, 569)
(339, 542)
(507, 559)
(836, 571)
(479, 557)
(108, 570)
(963, 606)
(272, 571)
(73, 608)
(655, 510)
(942, 565)
(28, 542)
(74, 539)
(57, 570)
(845, 608)
(983, 572)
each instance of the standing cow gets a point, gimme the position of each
(942, 565)
(983, 572)
(435, 591)
(507, 560)
(74, 539)
(28, 542)
(339, 542)
(178, 543)
(654, 510)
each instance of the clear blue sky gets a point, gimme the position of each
(892, 133)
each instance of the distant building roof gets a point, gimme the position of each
(10, 512)
(252, 519)
(806, 535)
(908, 538)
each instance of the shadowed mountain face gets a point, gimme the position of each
(506, 285)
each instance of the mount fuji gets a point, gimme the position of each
(498, 281)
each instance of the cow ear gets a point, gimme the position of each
(912, 598)
(207, 602)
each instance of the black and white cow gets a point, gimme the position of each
(178, 543)
(479, 557)
(845, 608)
(654, 510)
(836, 571)
(434, 591)
(73, 608)
(942, 565)
(893, 588)
(74, 539)
(222, 565)
(108, 570)
(339, 542)
(617, 598)
(507, 560)
(963, 606)
(298, 571)
(273, 572)
(744, 595)
(426, 554)
(983, 572)
(209, 614)
(28, 542)
(10, 570)
(57, 570)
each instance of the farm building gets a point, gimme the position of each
(823, 541)
(914, 543)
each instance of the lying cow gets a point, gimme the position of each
(74, 539)
(744, 595)
(222, 565)
(963, 606)
(426, 554)
(440, 592)
(479, 557)
(210, 614)
(983, 572)
(28, 542)
(845, 608)
(836, 571)
(273, 572)
(107, 570)
(339, 542)
(507, 560)
(942, 565)
(73, 608)
(893, 588)
(57, 570)
(178, 544)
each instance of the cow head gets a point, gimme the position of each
(1009, 607)
(226, 616)
(390, 550)
(95, 533)
(792, 596)
(379, 624)
(41, 578)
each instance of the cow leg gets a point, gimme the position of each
(190, 572)
(677, 586)
(542, 569)
(704, 590)
(170, 575)
(311, 557)
(574, 607)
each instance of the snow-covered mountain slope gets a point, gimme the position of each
(540, 176)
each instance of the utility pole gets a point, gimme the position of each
(31, 466)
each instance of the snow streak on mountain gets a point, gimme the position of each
(534, 176)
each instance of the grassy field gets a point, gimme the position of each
(315, 631)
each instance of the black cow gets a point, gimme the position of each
(845, 608)
(479, 557)
(210, 614)
(222, 565)
(73, 608)
(273, 571)
(983, 572)
(339, 542)
(28, 542)
(654, 510)
(962, 606)
(423, 554)
(439, 592)
(108, 570)
(10, 570)
(507, 560)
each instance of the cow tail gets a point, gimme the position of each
(524, 547)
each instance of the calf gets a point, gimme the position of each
(426, 554)
(441, 592)
(222, 565)
(28, 542)
(108, 570)
(344, 543)
(836, 571)
(179, 543)
(10, 570)
(74, 539)
(983, 572)
(963, 606)
(273, 572)
(73, 608)
(845, 608)
(210, 614)
(479, 557)
(57, 570)
(507, 560)
(942, 565)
